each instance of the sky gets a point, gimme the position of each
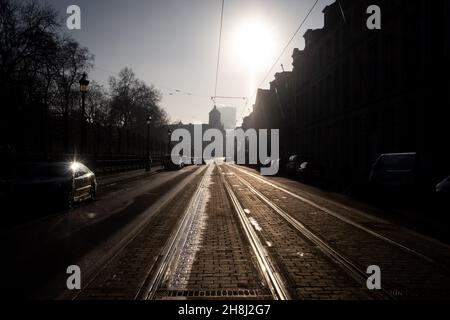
(173, 44)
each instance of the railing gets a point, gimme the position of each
(100, 164)
(109, 165)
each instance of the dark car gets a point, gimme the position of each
(394, 172)
(442, 194)
(443, 187)
(309, 171)
(61, 183)
(293, 164)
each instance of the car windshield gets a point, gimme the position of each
(44, 171)
(396, 162)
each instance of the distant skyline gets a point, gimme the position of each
(172, 44)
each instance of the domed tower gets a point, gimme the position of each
(215, 119)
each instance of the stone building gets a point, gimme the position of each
(356, 93)
(215, 119)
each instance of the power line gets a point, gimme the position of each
(342, 12)
(289, 43)
(214, 99)
(219, 97)
(220, 48)
(284, 50)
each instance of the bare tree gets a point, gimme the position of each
(39, 72)
(28, 38)
(97, 104)
(132, 101)
(27, 43)
(71, 62)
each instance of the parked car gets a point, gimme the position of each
(443, 187)
(309, 171)
(293, 164)
(62, 183)
(394, 172)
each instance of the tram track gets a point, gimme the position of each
(273, 278)
(417, 266)
(157, 286)
(228, 236)
(174, 244)
(302, 275)
(341, 260)
(346, 220)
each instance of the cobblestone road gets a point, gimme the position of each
(231, 234)
(407, 270)
(216, 260)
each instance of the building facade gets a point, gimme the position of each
(215, 119)
(356, 93)
(215, 122)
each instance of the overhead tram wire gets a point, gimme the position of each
(288, 44)
(283, 51)
(219, 50)
(342, 11)
(215, 97)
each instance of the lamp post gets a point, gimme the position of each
(169, 135)
(148, 161)
(84, 83)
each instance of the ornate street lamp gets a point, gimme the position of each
(84, 83)
(148, 160)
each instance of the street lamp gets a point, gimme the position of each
(169, 135)
(148, 161)
(84, 83)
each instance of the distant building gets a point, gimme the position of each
(214, 123)
(215, 119)
(228, 117)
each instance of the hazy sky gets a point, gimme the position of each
(172, 44)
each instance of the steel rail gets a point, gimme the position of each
(352, 269)
(273, 278)
(348, 221)
(173, 246)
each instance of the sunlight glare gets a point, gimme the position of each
(253, 43)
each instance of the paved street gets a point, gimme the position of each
(220, 231)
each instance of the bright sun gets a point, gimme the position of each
(253, 43)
